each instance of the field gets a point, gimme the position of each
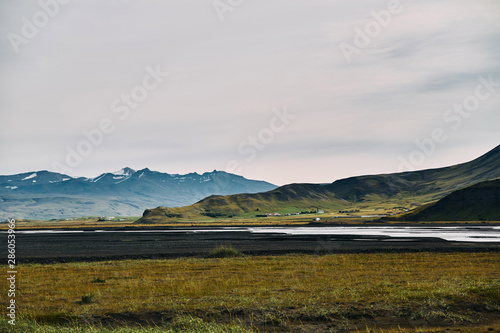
(328, 218)
(424, 292)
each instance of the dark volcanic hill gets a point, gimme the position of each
(431, 184)
(399, 189)
(479, 202)
(47, 195)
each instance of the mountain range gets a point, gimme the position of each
(127, 192)
(406, 189)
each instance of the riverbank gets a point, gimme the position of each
(91, 244)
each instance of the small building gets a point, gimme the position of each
(104, 218)
(316, 219)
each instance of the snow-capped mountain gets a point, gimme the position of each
(113, 177)
(33, 178)
(126, 192)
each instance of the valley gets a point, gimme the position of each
(373, 194)
(406, 252)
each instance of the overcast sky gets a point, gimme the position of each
(284, 91)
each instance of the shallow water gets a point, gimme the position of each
(462, 234)
(454, 233)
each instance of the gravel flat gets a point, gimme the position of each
(88, 245)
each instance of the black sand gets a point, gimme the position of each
(96, 246)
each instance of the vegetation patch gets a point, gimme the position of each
(86, 299)
(225, 252)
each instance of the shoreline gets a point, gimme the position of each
(185, 242)
(187, 226)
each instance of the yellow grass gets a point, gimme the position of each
(337, 288)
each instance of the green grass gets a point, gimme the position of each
(188, 324)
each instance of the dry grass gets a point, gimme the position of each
(421, 288)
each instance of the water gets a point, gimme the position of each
(455, 233)
(460, 234)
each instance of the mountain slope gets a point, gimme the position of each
(399, 189)
(478, 202)
(46, 195)
(428, 185)
(289, 197)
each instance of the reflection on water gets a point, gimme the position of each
(462, 234)
(456, 233)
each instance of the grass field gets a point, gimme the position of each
(326, 218)
(426, 292)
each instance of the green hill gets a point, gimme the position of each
(289, 198)
(480, 202)
(425, 185)
(388, 190)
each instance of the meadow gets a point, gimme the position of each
(228, 292)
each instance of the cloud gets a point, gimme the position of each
(228, 76)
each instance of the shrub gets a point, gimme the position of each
(87, 299)
(225, 252)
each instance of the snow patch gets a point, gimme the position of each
(33, 175)
(94, 180)
(123, 172)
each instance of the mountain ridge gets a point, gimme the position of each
(418, 181)
(127, 192)
(410, 188)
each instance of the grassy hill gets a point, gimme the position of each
(425, 185)
(480, 202)
(286, 199)
(405, 189)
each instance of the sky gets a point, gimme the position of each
(284, 91)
